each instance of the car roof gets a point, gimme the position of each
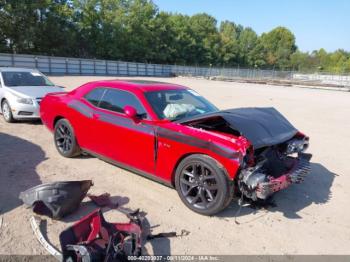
(17, 69)
(141, 85)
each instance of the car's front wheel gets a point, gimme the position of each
(65, 140)
(203, 185)
(7, 112)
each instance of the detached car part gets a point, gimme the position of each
(49, 248)
(56, 199)
(93, 239)
(103, 200)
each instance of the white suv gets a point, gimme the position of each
(21, 91)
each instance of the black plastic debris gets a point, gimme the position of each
(56, 199)
(168, 234)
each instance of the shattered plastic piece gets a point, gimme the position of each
(184, 233)
(94, 239)
(161, 235)
(168, 234)
(49, 248)
(56, 199)
(240, 204)
(103, 200)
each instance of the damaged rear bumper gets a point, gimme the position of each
(296, 175)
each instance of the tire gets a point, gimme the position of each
(7, 112)
(203, 185)
(65, 140)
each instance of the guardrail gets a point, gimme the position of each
(78, 66)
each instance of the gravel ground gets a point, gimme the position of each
(311, 218)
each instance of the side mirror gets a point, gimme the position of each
(130, 112)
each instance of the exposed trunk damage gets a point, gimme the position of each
(276, 157)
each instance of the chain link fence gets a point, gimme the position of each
(75, 66)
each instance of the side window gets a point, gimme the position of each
(116, 100)
(95, 96)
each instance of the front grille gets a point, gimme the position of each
(303, 168)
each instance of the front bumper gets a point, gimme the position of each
(26, 111)
(296, 175)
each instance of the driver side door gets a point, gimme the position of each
(127, 142)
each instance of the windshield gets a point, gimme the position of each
(34, 78)
(178, 104)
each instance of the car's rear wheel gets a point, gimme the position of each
(65, 140)
(202, 184)
(7, 112)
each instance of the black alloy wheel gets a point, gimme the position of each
(203, 185)
(198, 185)
(65, 140)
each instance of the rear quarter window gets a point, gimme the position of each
(94, 96)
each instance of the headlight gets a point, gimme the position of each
(296, 146)
(23, 100)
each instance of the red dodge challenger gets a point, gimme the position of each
(172, 134)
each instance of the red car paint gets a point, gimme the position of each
(137, 146)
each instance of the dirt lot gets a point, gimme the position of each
(311, 218)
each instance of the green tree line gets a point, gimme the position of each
(135, 30)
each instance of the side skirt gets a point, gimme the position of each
(129, 168)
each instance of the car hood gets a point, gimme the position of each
(35, 91)
(261, 126)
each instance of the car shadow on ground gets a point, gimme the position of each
(35, 122)
(160, 246)
(316, 189)
(18, 161)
